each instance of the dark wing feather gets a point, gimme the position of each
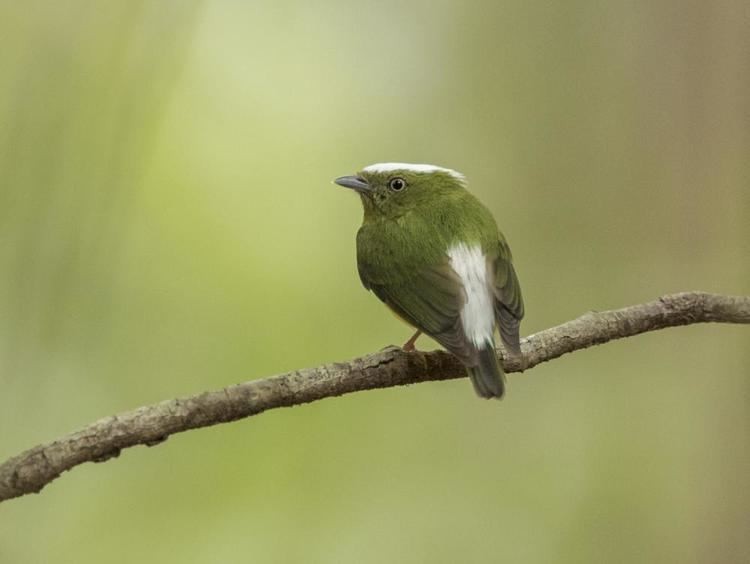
(509, 308)
(431, 301)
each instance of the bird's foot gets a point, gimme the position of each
(409, 345)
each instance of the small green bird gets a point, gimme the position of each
(434, 255)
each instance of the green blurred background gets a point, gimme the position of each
(168, 225)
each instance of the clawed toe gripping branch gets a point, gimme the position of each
(33, 469)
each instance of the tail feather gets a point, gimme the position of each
(487, 376)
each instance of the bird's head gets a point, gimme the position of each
(391, 189)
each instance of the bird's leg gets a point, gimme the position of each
(409, 345)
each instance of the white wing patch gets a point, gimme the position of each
(427, 168)
(477, 315)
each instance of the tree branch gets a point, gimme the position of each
(30, 471)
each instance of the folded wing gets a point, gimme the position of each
(431, 300)
(509, 308)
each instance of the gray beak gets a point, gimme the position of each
(353, 182)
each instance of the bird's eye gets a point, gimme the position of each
(397, 184)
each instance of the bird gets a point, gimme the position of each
(432, 253)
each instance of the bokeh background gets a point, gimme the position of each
(168, 225)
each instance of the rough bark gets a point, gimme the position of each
(33, 469)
